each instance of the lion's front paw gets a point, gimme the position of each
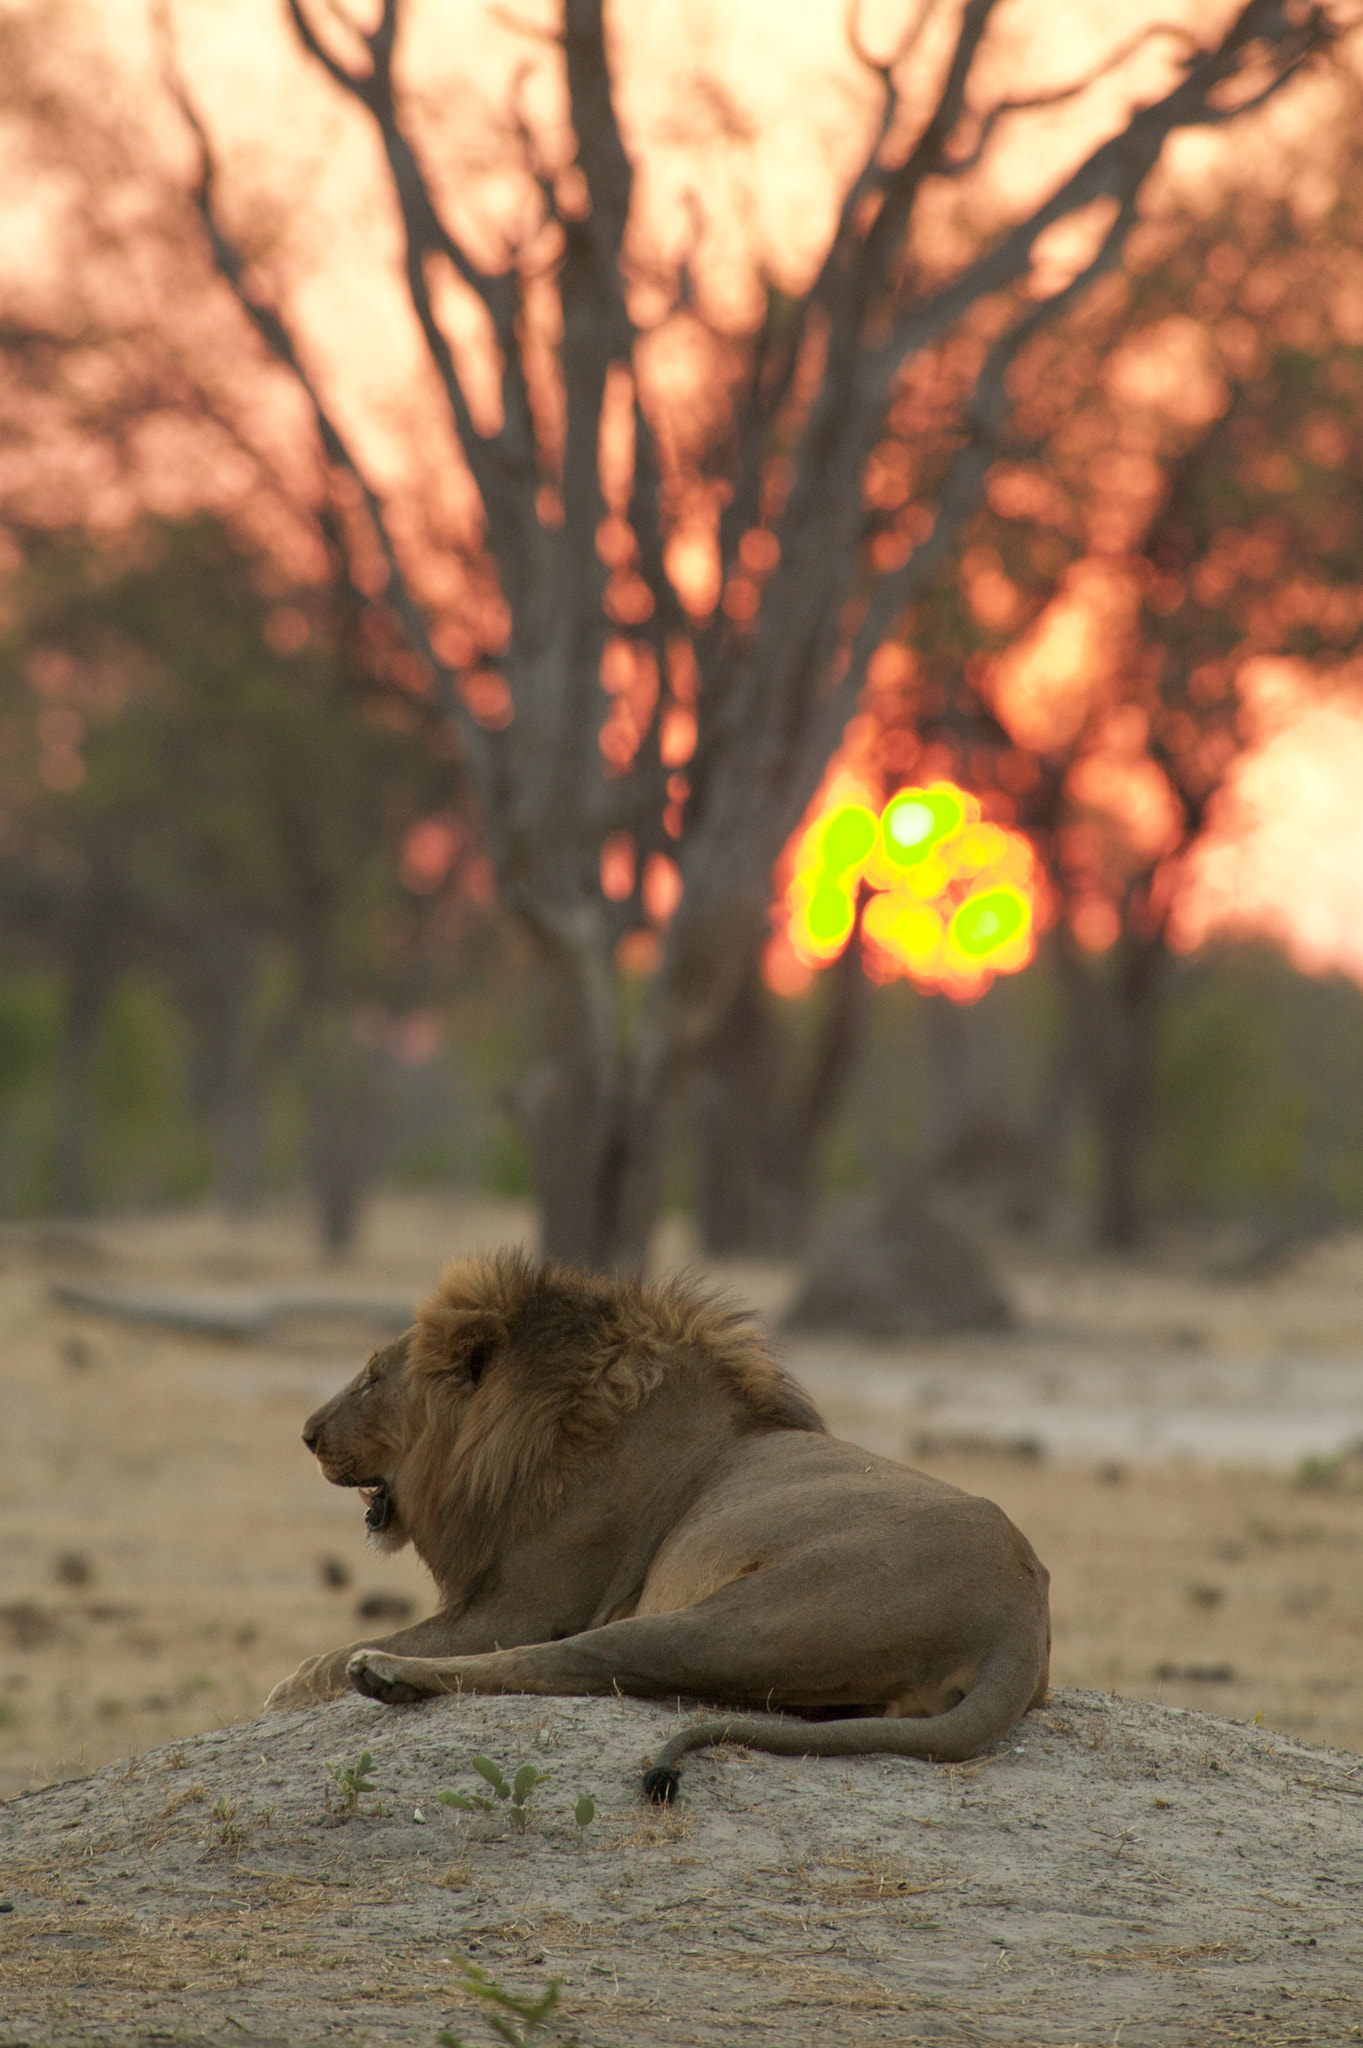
(378, 1678)
(315, 1680)
(289, 1693)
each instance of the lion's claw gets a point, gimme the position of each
(367, 1675)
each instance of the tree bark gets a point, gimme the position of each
(759, 1128)
(92, 965)
(218, 988)
(1116, 1005)
(569, 1106)
(344, 1095)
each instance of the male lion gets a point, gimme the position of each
(615, 1487)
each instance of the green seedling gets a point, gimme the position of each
(351, 1780)
(584, 1813)
(225, 1814)
(498, 2002)
(518, 1792)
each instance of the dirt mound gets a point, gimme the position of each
(893, 1267)
(1116, 1870)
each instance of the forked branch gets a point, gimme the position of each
(231, 266)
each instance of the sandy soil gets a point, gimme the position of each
(170, 1550)
(1116, 1873)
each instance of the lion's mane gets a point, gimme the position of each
(519, 1372)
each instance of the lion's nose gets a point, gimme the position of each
(312, 1434)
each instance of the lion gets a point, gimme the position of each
(616, 1488)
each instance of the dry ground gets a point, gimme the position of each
(1118, 1872)
(1115, 1873)
(166, 1537)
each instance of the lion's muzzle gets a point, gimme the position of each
(379, 1508)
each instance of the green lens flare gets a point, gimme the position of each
(847, 838)
(984, 924)
(916, 820)
(830, 915)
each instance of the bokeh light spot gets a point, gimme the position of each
(830, 915)
(984, 924)
(848, 837)
(950, 897)
(916, 819)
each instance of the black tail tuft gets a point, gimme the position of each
(662, 1785)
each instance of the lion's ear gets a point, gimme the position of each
(461, 1342)
(479, 1342)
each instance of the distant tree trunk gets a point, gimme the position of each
(760, 1128)
(91, 969)
(219, 990)
(963, 1082)
(1116, 1004)
(568, 1105)
(345, 1109)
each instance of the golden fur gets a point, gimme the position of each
(577, 1354)
(615, 1486)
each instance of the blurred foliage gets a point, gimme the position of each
(1257, 1096)
(1260, 1092)
(218, 967)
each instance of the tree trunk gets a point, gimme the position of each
(573, 1108)
(346, 1126)
(1117, 1005)
(759, 1132)
(219, 992)
(90, 975)
(745, 1207)
(963, 1094)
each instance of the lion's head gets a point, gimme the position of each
(358, 1438)
(514, 1376)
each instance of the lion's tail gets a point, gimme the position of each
(999, 1697)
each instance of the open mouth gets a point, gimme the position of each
(378, 1512)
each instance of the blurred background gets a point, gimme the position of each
(728, 636)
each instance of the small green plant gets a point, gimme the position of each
(498, 2002)
(351, 1780)
(518, 1792)
(584, 1813)
(225, 1814)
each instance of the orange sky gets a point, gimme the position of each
(765, 156)
(1284, 856)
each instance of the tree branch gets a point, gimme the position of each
(955, 166)
(1112, 171)
(602, 156)
(958, 498)
(503, 464)
(231, 267)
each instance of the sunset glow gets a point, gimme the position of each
(731, 189)
(952, 898)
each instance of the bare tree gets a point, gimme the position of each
(815, 577)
